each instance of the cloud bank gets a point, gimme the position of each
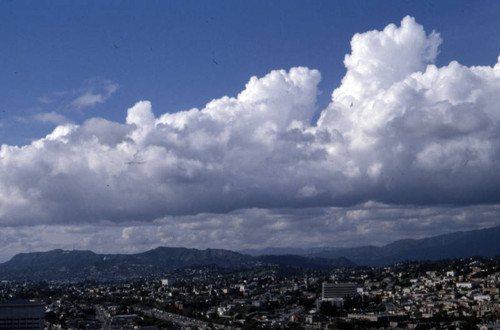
(399, 131)
(369, 223)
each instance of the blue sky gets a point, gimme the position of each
(99, 151)
(183, 54)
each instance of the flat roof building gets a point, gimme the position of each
(334, 291)
(22, 315)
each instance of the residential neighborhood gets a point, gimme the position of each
(449, 294)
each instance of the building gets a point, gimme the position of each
(451, 273)
(22, 315)
(491, 326)
(372, 317)
(465, 285)
(338, 290)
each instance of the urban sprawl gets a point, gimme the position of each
(450, 294)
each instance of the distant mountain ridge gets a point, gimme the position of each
(78, 265)
(482, 242)
(60, 264)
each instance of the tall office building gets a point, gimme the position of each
(22, 315)
(336, 292)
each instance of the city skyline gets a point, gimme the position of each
(246, 125)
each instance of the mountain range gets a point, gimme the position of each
(483, 242)
(81, 265)
(78, 265)
(61, 264)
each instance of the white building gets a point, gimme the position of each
(464, 285)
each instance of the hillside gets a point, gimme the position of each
(483, 242)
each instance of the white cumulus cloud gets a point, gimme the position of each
(399, 131)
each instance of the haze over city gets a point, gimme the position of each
(126, 126)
